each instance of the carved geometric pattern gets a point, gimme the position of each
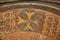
(7, 23)
(30, 20)
(39, 21)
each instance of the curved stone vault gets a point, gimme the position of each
(29, 21)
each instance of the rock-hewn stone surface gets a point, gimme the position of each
(29, 23)
(26, 36)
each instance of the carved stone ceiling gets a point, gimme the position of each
(29, 22)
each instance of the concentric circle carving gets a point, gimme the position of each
(30, 20)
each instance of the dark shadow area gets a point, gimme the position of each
(28, 1)
(0, 39)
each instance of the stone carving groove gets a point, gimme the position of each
(7, 23)
(28, 18)
(38, 21)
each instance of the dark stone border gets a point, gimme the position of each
(53, 10)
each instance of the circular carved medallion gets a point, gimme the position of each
(31, 17)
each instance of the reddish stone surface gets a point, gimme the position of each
(26, 36)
